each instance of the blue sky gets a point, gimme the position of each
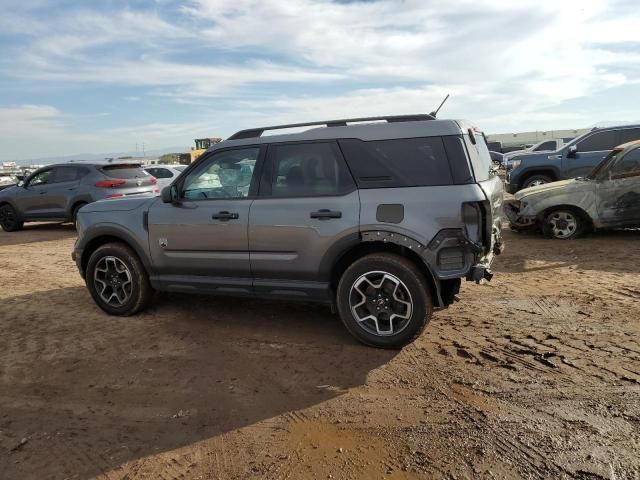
(78, 76)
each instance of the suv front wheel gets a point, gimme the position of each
(117, 280)
(536, 180)
(384, 300)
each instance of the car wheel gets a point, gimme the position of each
(74, 214)
(384, 300)
(117, 280)
(536, 180)
(563, 224)
(9, 219)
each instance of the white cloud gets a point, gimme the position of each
(508, 65)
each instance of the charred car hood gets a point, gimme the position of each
(564, 185)
(118, 204)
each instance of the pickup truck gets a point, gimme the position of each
(575, 159)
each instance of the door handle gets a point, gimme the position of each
(42, 192)
(325, 214)
(225, 216)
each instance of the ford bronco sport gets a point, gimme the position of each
(379, 217)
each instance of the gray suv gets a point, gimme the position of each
(379, 220)
(575, 159)
(58, 192)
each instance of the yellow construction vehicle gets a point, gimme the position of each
(202, 144)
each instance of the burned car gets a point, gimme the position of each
(609, 197)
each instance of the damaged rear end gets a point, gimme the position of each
(483, 219)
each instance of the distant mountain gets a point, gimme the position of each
(101, 156)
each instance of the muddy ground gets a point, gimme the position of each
(536, 375)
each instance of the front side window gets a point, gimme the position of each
(599, 142)
(226, 174)
(629, 165)
(41, 178)
(546, 146)
(311, 169)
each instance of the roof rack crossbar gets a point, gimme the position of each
(257, 132)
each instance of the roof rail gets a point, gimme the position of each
(257, 132)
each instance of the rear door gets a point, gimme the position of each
(590, 152)
(307, 210)
(619, 194)
(201, 242)
(63, 188)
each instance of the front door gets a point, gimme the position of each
(619, 194)
(33, 200)
(307, 211)
(200, 242)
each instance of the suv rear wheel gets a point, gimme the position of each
(117, 280)
(384, 300)
(9, 219)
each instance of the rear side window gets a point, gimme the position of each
(124, 172)
(67, 174)
(599, 142)
(628, 135)
(308, 169)
(407, 162)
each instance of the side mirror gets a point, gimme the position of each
(169, 194)
(573, 149)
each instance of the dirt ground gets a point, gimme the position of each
(535, 375)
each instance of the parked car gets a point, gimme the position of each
(57, 192)
(576, 158)
(543, 146)
(165, 174)
(609, 197)
(496, 158)
(381, 220)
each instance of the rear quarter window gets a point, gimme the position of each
(480, 157)
(407, 162)
(123, 172)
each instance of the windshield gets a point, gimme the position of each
(604, 164)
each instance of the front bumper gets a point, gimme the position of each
(512, 209)
(76, 256)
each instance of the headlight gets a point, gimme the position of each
(515, 164)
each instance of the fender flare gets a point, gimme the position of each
(110, 230)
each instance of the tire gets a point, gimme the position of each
(564, 224)
(9, 220)
(74, 214)
(535, 180)
(133, 294)
(359, 279)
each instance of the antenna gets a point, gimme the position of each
(435, 112)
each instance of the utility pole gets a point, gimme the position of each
(143, 153)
